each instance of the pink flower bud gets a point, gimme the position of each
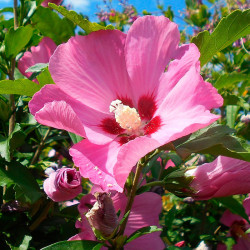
(223, 177)
(102, 216)
(45, 2)
(62, 185)
(180, 244)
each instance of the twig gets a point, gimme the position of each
(39, 148)
(131, 196)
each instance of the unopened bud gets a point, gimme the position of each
(102, 216)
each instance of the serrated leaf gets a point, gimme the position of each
(19, 87)
(215, 140)
(227, 80)
(20, 175)
(229, 29)
(234, 206)
(76, 245)
(79, 20)
(51, 25)
(142, 231)
(16, 40)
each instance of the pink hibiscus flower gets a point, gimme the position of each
(145, 212)
(238, 227)
(113, 89)
(224, 176)
(45, 2)
(38, 54)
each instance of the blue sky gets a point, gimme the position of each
(89, 7)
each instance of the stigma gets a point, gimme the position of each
(128, 118)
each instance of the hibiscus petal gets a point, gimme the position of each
(129, 154)
(38, 54)
(96, 163)
(145, 212)
(90, 118)
(59, 114)
(92, 68)
(186, 108)
(151, 43)
(186, 56)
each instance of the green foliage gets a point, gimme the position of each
(231, 79)
(232, 111)
(16, 40)
(234, 206)
(79, 20)
(76, 245)
(143, 231)
(19, 175)
(19, 87)
(230, 29)
(75, 138)
(37, 67)
(51, 25)
(45, 78)
(215, 140)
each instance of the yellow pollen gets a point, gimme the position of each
(127, 117)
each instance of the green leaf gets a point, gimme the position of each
(143, 231)
(19, 87)
(227, 80)
(37, 67)
(215, 140)
(124, 217)
(16, 40)
(51, 25)
(230, 99)
(232, 111)
(4, 149)
(76, 245)
(229, 29)
(234, 206)
(45, 78)
(24, 245)
(79, 20)
(20, 175)
(75, 138)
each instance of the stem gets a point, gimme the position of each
(11, 76)
(12, 97)
(42, 216)
(154, 183)
(39, 148)
(131, 196)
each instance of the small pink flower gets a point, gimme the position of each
(145, 212)
(238, 227)
(38, 54)
(45, 2)
(62, 185)
(112, 88)
(223, 177)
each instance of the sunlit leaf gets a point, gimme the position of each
(16, 40)
(229, 29)
(79, 20)
(19, 87)
(76, 245)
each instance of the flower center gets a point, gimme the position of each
(126, 117)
